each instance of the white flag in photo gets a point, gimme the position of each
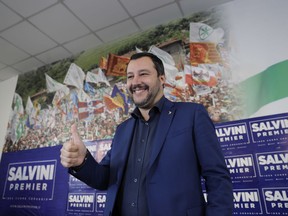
(29, 106)
(201, 32)
(173, 76)
(97, 76)
(58, 96)
(75, 76)
(163, 55)
(52, 85)
(138, 50)
(18, 104)
(82, 96)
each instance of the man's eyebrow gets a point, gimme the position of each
(139, 71)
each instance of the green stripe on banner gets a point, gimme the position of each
(265, 87)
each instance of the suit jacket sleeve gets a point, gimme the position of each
(94, 174)
(213, 167)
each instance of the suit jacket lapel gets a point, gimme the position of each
(164, 123)
(127, 132)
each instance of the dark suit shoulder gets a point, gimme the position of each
(189, 105)
(126, 122)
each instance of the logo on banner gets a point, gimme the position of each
(205, 31)
(276, 200)
(100, 201)
(265, 129)
(234, 134)
(76, 183)
(272, 163)
(241, 166)
(32, 180)
(84, 202)
(247, 201)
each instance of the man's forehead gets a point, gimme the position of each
(141, 64)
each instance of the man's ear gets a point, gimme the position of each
(162, 79)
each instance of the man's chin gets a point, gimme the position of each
(139, 98)
(140, 103)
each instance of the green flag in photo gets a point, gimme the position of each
(265, 87)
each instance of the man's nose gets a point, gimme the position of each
(136, 80)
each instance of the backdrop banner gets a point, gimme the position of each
(256, 153)
(82, 198)
(33, 182)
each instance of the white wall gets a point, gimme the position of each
(259, 33)
(7, 89)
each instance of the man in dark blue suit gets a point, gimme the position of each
(158, 156)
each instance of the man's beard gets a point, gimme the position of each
(147, 102)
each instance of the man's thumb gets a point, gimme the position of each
(75, 135)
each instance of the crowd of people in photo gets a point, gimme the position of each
(220, 100)
(95, 127)
(221, 104)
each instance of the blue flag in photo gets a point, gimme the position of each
(121, 98)
(89, 89)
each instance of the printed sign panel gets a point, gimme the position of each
(256, 154)
(33, 182)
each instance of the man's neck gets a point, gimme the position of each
(145, 113)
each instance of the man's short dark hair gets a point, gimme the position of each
(158, 64)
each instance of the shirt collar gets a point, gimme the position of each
(158, 107)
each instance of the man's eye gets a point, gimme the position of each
(129, 77)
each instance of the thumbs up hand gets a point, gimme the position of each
(73, 152)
